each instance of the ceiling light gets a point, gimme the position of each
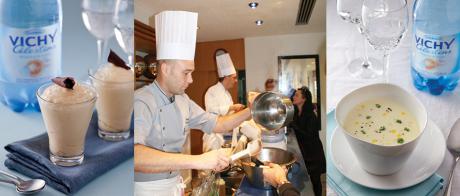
(253, 5)
(259, 22)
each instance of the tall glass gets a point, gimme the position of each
(98, 19)
(384, 25)
(124, 27)
(365, 67)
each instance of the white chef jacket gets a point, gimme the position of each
(217, 100)
(164, 126)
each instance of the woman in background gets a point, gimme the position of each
(306, 126)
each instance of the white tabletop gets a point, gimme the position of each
(78, 54)
(344, 43)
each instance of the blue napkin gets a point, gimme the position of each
(343, 186)
(31, 158)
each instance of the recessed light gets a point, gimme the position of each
(259, 22)
(253, 5)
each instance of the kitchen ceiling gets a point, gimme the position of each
(233, 19)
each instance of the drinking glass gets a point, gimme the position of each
(98, 19)
(384, 24)
(350, 11)
(124, 27)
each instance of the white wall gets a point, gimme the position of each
(262, 53)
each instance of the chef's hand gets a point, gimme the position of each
(250, 130)
(275, 174)
(216, 160)
(251, 96)
(236, 107)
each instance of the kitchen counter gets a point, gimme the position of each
(344, 43)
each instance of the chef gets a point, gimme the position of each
(164, 114)
(219, 101)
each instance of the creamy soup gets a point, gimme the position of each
(382, 122)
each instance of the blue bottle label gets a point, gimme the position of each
(31, 54)
(435, 55)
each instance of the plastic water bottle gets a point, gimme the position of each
(435, 45)
(31, 49)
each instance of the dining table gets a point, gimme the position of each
(79, 53)
(345, 43)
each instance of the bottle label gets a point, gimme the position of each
(435, 55)
(31, 54)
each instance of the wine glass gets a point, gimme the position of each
(124, 27)
(384, 24)
(350, 11)
(98, 18)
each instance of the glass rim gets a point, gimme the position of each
(45, 85)
(92, 76)
(403, 6)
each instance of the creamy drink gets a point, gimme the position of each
(67, 108)
(115, 89)
(382, 122)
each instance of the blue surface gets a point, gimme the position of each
(344, 186)
(79, 52)
(31, 157)
(246, 189)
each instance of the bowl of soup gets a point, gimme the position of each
(382, 124)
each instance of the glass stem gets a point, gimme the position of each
(131, 60)
(101, 48)
(386, 61)
(366, 58)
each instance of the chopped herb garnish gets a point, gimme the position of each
(389, 109)
(400, 140)
(368, 117)
(398, 121)
(378, 105)
(406, 129)
(363, 132)
(382, 128)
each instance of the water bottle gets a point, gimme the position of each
(435, 45)
(31, 49)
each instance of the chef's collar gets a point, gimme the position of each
(171, 99)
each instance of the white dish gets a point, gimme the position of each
(381, 159)
(422, 163)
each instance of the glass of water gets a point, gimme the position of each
(124, 27)
(98, 19)
(365, 67)
(384, 25)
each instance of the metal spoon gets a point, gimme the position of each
(23, 186)
(453, 145)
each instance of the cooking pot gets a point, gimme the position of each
(274, 155)
(272, 110)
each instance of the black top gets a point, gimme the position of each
(288, 190)
(307, 122)
(306, 127)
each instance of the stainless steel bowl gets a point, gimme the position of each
(274, 155)
(272, 110)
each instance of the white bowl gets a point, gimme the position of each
(378, 159)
